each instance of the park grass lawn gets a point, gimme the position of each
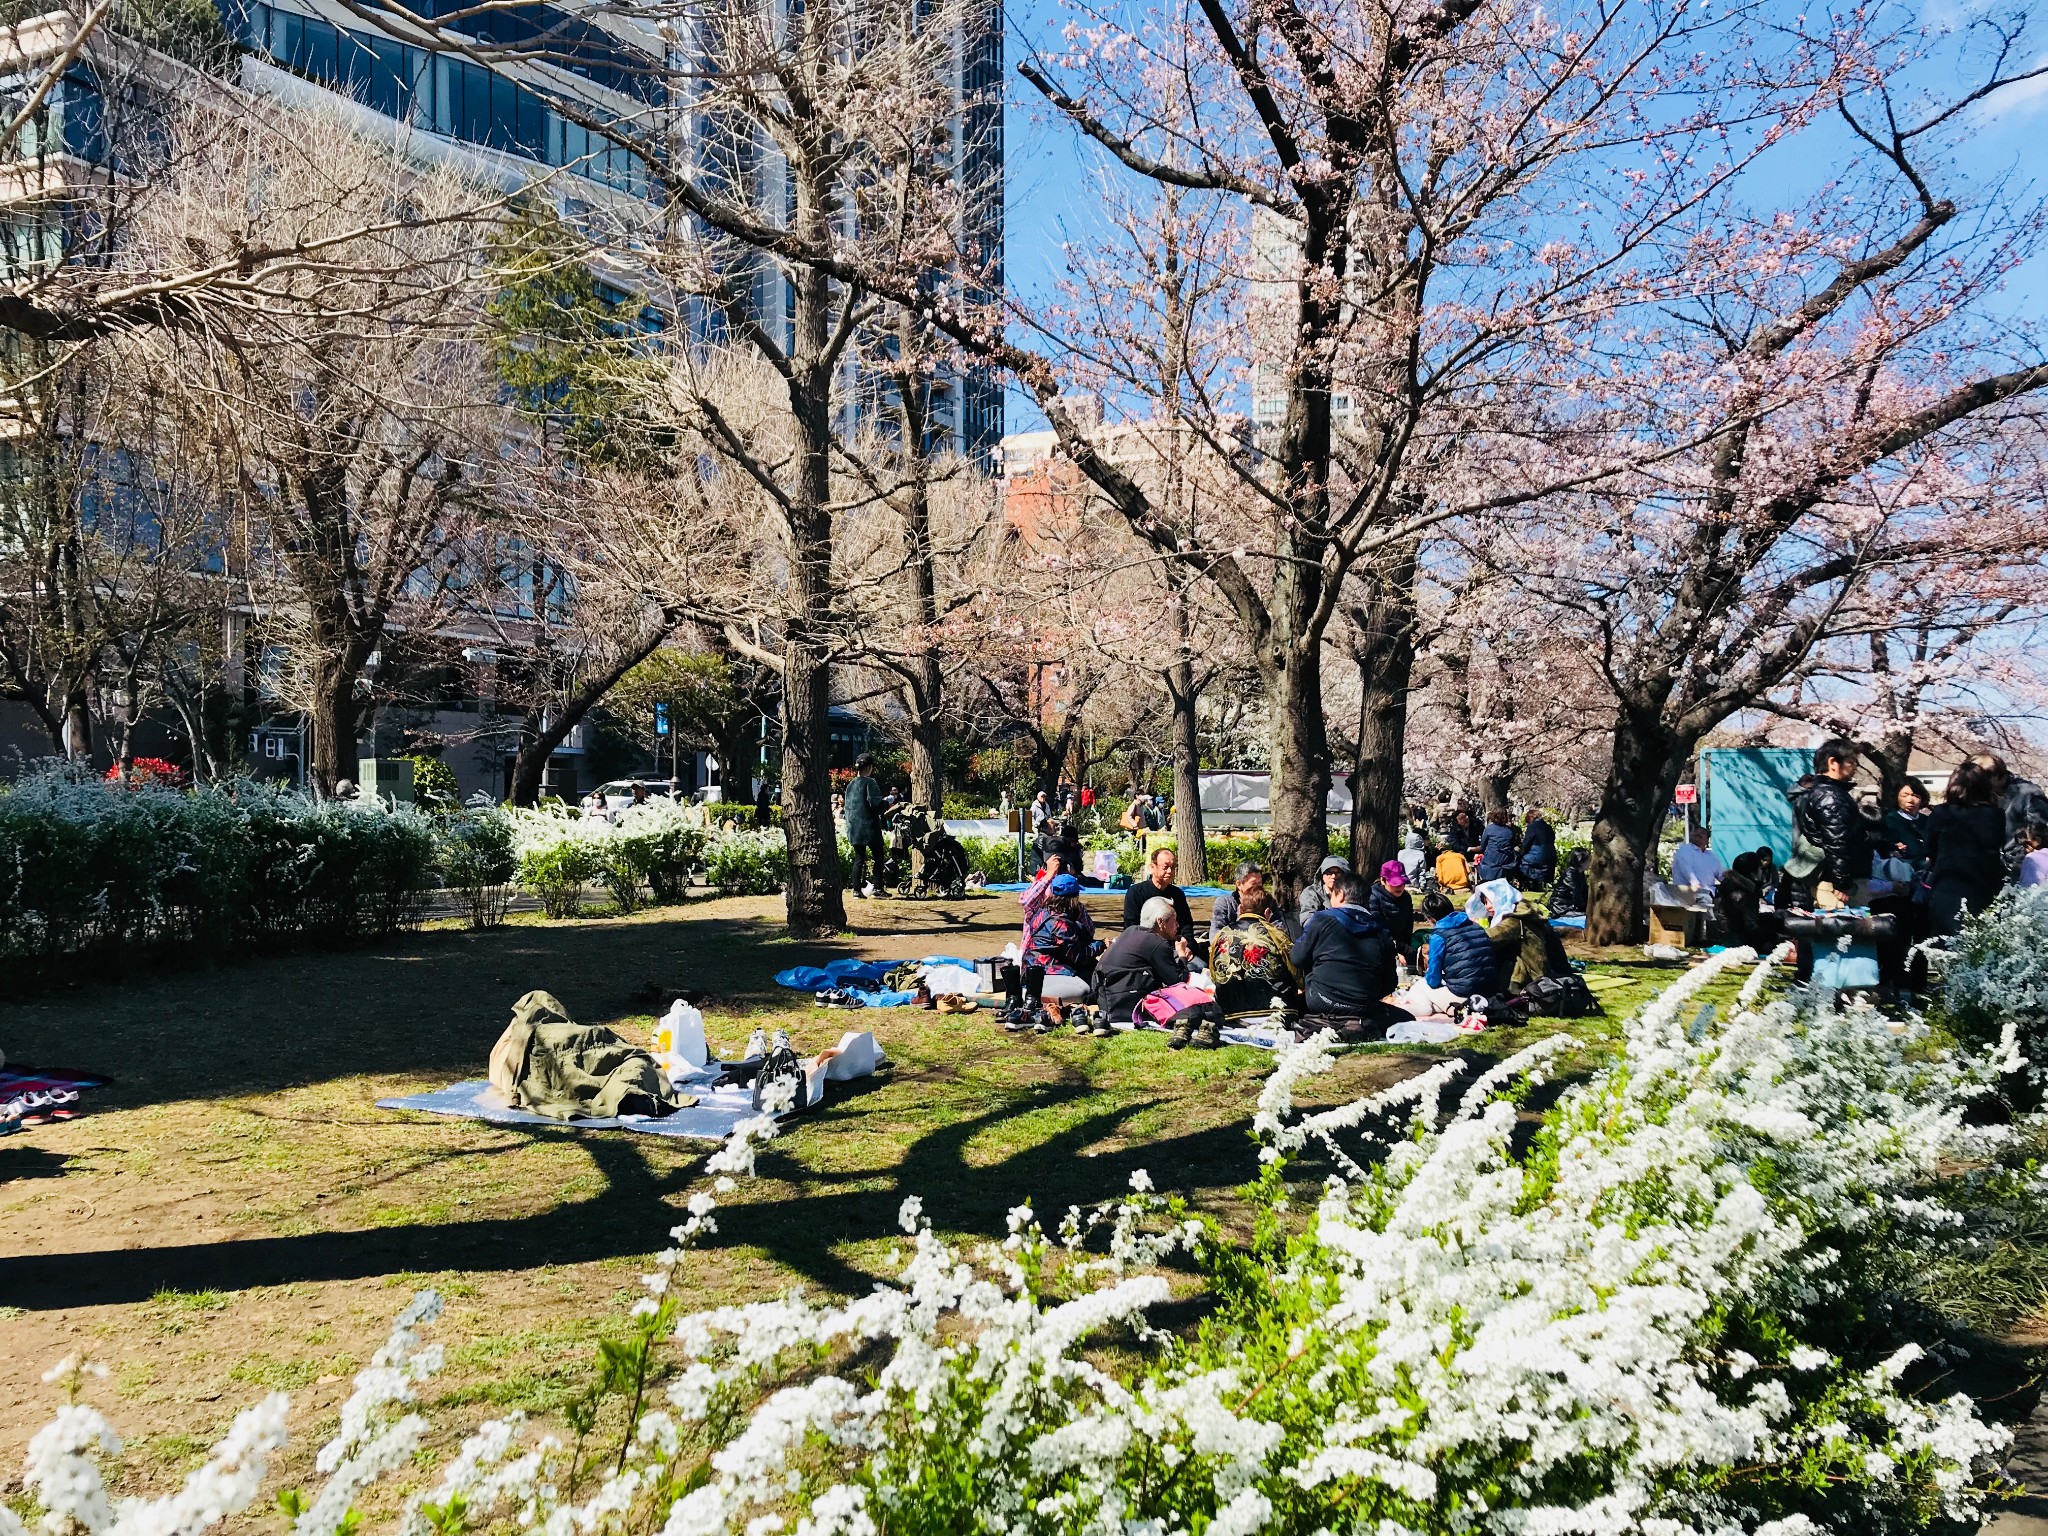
(235, 1215)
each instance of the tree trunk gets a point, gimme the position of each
(1188, 835)
(1495, 789)
(530, 767)
(927, 681)
(814, 904)
(1385, 629)
(1891, 754)
(1647, 764)
(1300, 764)
(334, 720)
(76, 740)
(927, 737)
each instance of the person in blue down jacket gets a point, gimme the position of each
(1498, 847)
(1461, 959)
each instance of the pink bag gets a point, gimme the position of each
(1160, 1007)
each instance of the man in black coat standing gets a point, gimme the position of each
(1829, 818)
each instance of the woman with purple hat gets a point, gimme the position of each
(1393, 903)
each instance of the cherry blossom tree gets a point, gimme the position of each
(1845, 397)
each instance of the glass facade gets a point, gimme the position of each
(439, 92)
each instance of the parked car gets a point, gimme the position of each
(607, 800)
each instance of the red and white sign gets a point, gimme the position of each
(1687, 794)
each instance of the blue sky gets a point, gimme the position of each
(1050, 175)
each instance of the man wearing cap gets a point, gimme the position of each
(1158, 882)
(1316, 898)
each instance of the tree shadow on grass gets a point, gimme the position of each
(429, 1005)
(803, 1231)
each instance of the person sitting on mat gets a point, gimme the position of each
(1346, 961)
(1158, 883)
(1246, 894)
(1059, 954)
(1460, 960)
(1146, 956)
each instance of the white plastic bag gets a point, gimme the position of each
(950, 978)
(681, 1034)
(1422, 1032)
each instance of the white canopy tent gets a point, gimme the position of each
(1245, 799)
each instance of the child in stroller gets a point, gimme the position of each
(924, 858)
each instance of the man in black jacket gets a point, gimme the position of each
(1829, 818)
(1143, 958)
(1158, 882)
(1346, 960)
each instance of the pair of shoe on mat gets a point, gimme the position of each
(1203, 1035)
(37, 1108)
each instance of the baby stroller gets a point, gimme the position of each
(924, 858)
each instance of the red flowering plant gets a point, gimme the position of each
(149, 770)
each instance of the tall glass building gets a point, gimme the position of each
(612, 71)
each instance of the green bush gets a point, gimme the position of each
(477, 860)
(88, 867)
(747, 863)
(433, 784)
(557, 871)
(662, 843)
(993, 858)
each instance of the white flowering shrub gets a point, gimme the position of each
(659, 845)
(1998, 971)
(1629, 1324)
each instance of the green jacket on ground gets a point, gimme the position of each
(548, 1064)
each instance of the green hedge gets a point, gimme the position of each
(89, 868)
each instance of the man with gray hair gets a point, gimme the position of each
(1146, 956)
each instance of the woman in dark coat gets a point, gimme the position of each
(1539, 853)
(1497, 848)
(1964, 836)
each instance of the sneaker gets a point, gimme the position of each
(1206, 1037)
(1102, 1029)
(780, 1041)
(757, 1045)
(1016, 1021)
(1043, 1022)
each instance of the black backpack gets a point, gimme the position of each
(1560, 997)
(782, 1064)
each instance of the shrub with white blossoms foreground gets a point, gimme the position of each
(1634, 1322)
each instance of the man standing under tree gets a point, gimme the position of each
(864, 826)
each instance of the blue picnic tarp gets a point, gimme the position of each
(861, 978)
